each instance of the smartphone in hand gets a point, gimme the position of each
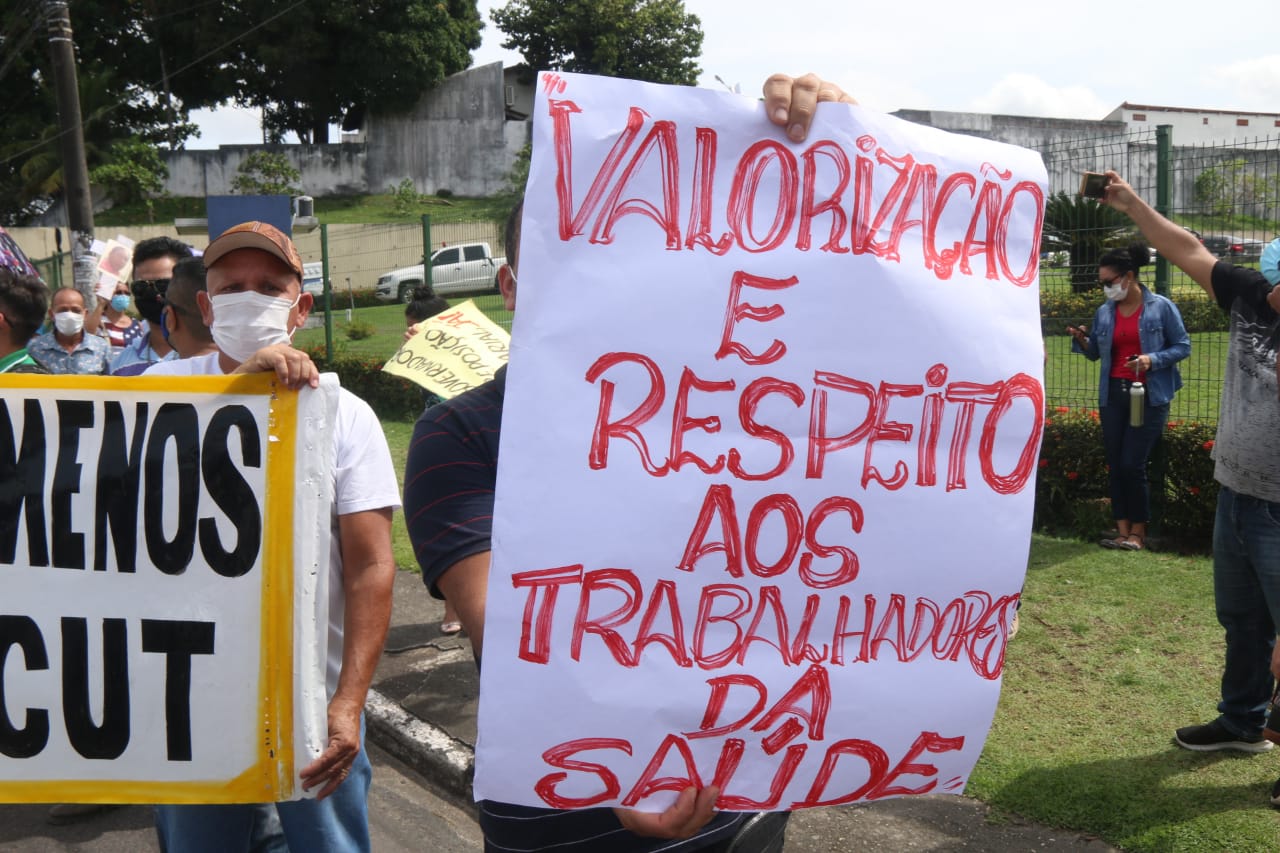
(1093, 184)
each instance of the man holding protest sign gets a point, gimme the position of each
(253, 304)
(449, 505)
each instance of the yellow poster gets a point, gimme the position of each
(452, 352)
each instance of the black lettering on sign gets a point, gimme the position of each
(174, 422)
(231, 492)
(109, 739)
(31, 738)
(119, 466)
(177, 641)
(22, 485)
(68, 546)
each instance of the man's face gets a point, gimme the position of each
(253, 270)
(153, 268)
(67, 299)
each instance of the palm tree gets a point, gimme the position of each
(1087, 228)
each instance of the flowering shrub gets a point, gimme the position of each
(1199, 314)
(1071, 487)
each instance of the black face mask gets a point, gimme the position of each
(148, 296)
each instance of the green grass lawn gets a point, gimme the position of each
(1116, 651)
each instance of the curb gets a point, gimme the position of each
(443, 759)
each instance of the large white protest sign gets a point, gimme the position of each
(163, 554)
(768, 454)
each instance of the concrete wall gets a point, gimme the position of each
(1070, 146)
(336, 169)
(358, 254)
(455, 138)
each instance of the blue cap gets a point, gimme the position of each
(1270, 264)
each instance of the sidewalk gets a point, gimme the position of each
(422, 708)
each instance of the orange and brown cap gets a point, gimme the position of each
(254, 235)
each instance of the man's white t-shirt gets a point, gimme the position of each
(364, 479)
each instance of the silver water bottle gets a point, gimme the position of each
(1137, 402)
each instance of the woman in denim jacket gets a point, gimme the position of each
(1139, 337)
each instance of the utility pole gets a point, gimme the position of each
(75, 169)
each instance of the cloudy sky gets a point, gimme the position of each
(1066, 60)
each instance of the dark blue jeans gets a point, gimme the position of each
(1127, 450)
(1246, 593)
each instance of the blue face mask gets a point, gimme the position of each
(164, 327)
(120, 302)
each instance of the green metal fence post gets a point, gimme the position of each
(1164, 164)
(328, 301)
(426, 249)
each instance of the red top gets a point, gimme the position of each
(1125, 345)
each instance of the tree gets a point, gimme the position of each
(144, 64)
(1232, 187)
(266, 173)
(653, 40)
(134, 172)
(311, 65)
(1087, 228)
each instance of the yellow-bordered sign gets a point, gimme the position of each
(164, 555)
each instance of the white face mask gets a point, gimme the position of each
(244, 323)
(68, 322)
(1114, 292)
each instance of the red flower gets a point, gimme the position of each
(1072, 475)
(1195, 490)
(1208, 445)
(1044, 463)
(1062, 409)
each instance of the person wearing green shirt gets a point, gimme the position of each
(24, 300)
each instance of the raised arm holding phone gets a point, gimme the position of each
(1246, 454)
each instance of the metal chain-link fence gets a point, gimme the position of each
(1227, 194)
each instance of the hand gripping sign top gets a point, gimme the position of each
(768, 454)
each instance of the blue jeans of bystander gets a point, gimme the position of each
(1246, 592)
(337, 824)
(1127, 450)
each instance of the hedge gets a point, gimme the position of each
(391, 397)
(1199, 314)
(1071, 487)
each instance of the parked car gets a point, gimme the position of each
(1232, 247)
(313, 279)
(460, 269)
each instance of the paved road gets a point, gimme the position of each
(404, 813)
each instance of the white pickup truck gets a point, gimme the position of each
(464, 268)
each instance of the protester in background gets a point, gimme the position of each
(1246, 455)
(66, 348)
(1139, 338)
(450, 477)
(153, 262)
(23, 302)
(253, 302)
(118, 326)
(179, 319)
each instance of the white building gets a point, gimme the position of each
(1198, 127)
